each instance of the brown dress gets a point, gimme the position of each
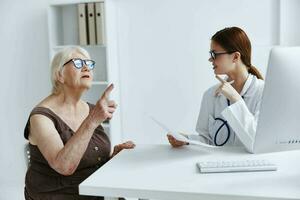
(44, 183)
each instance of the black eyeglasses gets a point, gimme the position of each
(79, 63)
(214, 54)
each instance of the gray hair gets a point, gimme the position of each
(59, 59)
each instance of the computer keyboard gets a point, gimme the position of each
(236, 166)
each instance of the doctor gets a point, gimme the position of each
(229, 110)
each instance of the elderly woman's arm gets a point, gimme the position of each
(65, 158)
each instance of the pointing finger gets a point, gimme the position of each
(107, 91)
(231, 82)
(220, 79)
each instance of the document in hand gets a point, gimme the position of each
(181, 137)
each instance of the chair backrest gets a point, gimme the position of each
(27, 154)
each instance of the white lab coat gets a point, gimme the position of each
(241, 116)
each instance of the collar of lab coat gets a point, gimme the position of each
(247, 85)
(245, 91)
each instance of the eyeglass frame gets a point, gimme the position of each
(83, 62)
(214, 54)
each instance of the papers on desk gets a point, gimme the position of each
(181, 137)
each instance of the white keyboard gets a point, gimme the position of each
(236, 166)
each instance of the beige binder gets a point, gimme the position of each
(82, 25)
(100, 23)
(91, 24)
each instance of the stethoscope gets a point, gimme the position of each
(224, 123)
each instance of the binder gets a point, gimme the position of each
(100, 23)
(91, 24)
(82, 25)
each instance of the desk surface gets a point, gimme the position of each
(163, 172)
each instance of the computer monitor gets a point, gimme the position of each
(278, 126)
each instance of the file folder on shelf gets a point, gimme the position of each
(91, 24)
(82, 25)
(100, 26)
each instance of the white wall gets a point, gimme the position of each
(24, 81)
(164, 66)
(163, 52)
(289, 22)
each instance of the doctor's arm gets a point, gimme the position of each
(243, 122)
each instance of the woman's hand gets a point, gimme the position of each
(175, 143)
(227, 90)
(104, 108)
(120, 147)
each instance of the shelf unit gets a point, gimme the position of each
(63, 31)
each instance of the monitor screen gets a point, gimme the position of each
(279, 119)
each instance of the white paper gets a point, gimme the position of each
(181, 137)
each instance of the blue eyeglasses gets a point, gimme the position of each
(79, 63)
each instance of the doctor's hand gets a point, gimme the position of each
(175, 143)
(227, 90)
(120, 147)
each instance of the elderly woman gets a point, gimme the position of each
(67, 142)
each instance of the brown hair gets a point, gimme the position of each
(234, 39)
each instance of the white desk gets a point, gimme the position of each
(163, 172)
